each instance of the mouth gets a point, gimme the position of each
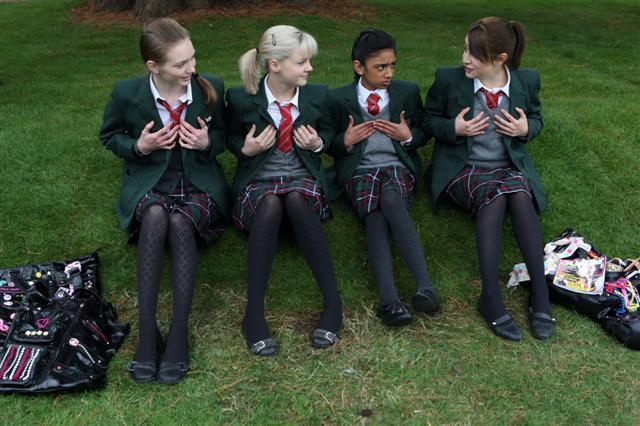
(468, 70)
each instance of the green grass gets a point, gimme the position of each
(58, 187)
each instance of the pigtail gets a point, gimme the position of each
(250, 71)
(210, 95)
(520, 43)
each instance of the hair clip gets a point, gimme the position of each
(257, 51)
(273, 39)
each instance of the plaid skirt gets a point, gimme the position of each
(475, 187)
(186, 200)
(366, 186)
(247, 203)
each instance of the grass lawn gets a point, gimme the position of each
(58, 186)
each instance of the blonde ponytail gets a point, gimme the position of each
(250, 71)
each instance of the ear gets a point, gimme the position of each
(358, 67)
(273, 65)
(152, 67)
(501, 59)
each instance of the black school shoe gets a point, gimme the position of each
(322, 339)
(394, 314)
(504, 326)
(146, 371)
(541, 325)
(425, 300)
(171, 373)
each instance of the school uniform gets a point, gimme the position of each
(378, 163)
(273, 171)
(190, 181)
(466, 168)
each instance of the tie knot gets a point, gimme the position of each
(491, 98)
(373, 98)
(285, 109)
(372, 103)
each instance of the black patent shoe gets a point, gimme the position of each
(505, 327)
(542, 325)
(394, 314)
(171, 373)
(323, 338)
(425, 301)
(143, 372)
(264, 347)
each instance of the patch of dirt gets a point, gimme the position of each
(332, 9)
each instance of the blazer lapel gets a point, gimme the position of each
(308, 112)
(351, 99)
(516, 94)
(194, 109)
(147, 105)
(260, 99)
(395, 104)
(463, 99)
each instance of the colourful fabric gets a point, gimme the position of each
(197, 206)
(475, 187)
(249, 199)
(366, 186)
(285, 130)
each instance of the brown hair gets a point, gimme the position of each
(160, 35)
(491, 36)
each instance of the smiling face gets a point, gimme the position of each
(178, 66)
(475, 68)
(294, 70)
(377, 70)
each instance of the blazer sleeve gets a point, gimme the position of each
(437, 122)
(114, 133)
(416, 117)
(326, 126)
(217, 126)
(534, 116)
(235, 132)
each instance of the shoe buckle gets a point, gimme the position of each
(258, 346)
(330, 336)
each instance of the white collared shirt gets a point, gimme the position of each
(363, 94)
(504, 90)
(272, 104)
(162, 111)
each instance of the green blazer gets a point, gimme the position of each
(403, 96)
(451, 92)
(244, 110)
(131, 107)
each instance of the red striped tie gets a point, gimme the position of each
(173, 113)
(372, 103)
(285, 141)
(491, 98)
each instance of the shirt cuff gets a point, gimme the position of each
(319, 149)
(407, 142)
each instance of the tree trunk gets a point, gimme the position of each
(145, 10)
(113, 5)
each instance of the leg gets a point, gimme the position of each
(488, 240)
(184, 262)
(526, 228)
(149, 256)
(407, 239)
(379, 254)
(315, 249)
(263, 240)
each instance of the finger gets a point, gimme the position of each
(251, 131)
(304, 132)
(187, 126)
(366, 124)
(507, 115)
(202, 123)
(521, 112)
(148, 127)
(462, 113)
(350, 122)
(476, 133)
(309, 128)
(478, 117)
(402, 117)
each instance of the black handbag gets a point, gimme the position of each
(608, 308)
(56, 333)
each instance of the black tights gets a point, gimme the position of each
(156, 225)
(263, 240)
(394, 215)
(526, 229)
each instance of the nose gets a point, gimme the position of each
(309, 67)
(192, 66)
(465, 58)
(389, 72)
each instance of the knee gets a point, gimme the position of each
(155, 214)
(390, 201)
(270, 205)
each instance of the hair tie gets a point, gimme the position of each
(257, 51)
(273, 39)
